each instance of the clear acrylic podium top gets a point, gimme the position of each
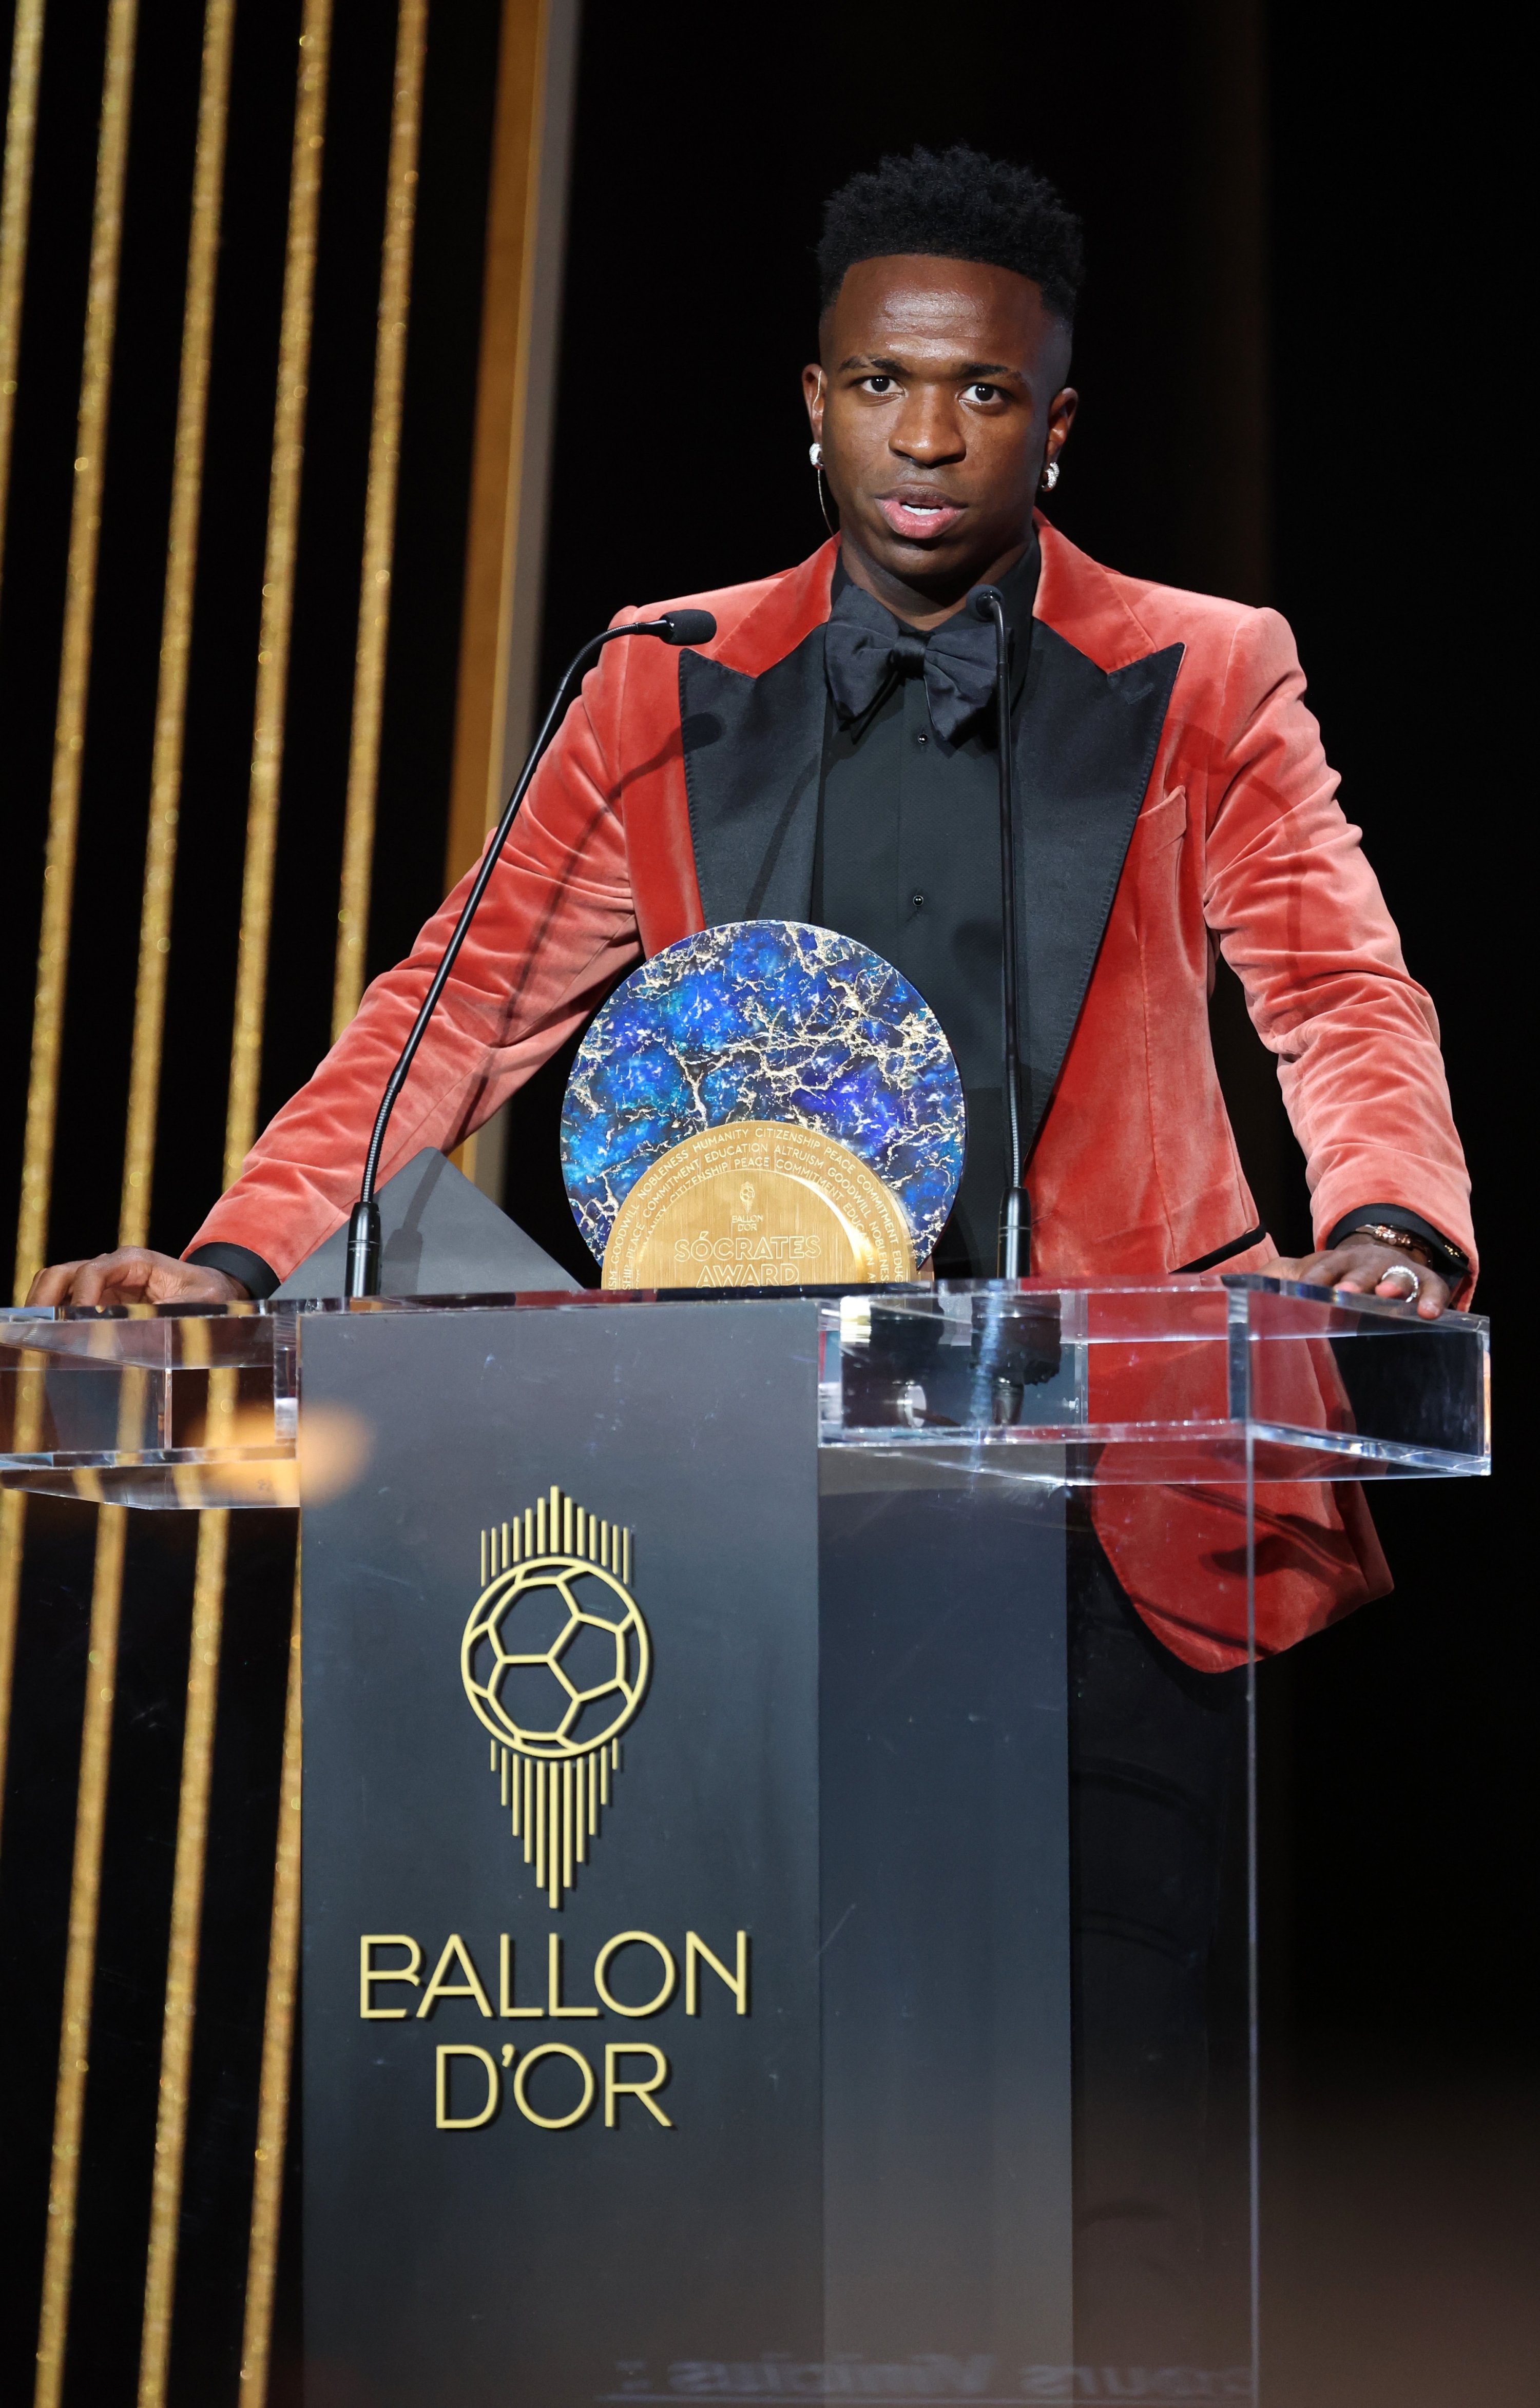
(1172, 1381)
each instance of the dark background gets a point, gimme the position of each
(1294, 356)
(1297, 236)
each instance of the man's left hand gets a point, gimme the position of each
(1368, 1267)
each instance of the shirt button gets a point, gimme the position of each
(922, 738)
(917, 901)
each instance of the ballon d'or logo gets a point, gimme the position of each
(555, 1661)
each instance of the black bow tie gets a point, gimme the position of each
(865, 648)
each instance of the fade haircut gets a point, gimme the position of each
(956, 205)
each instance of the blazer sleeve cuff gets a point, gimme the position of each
(257, 1278)
(1451, 1261)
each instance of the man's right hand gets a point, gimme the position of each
(134, 1275)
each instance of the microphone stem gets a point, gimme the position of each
(364, 1237)
(1014, 1225)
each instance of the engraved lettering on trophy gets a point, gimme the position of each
(812, 1209)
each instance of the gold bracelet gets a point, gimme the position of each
(1403, 1239)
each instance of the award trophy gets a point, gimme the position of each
(763, 1105)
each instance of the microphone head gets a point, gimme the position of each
(984, 600)
(686, 626)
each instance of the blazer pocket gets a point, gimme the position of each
(1165, 823)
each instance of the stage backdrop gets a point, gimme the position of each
(204, 478)
(278, 288)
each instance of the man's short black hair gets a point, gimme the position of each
(959, 205)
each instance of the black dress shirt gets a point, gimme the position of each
(907, 862)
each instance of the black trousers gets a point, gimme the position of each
(1157, 1760)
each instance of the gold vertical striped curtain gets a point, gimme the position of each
(91, 788)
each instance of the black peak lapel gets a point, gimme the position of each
(1084, 745)
(753, 749)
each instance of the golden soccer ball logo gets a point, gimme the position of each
(555, 1661)
(555, 1658)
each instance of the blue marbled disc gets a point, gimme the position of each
(765, 1020)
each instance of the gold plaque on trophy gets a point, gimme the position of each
(758, 1204)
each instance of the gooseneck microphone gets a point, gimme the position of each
(1014, 1236)
(363, 1246)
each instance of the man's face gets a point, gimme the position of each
(939, 396)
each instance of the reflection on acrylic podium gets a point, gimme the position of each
(777, 1921)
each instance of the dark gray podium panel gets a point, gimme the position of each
(510, 2263)
(945, 1851)
(851, 1749)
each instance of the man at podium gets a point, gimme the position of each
(829, 757)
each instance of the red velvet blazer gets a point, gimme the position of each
(1173, 800)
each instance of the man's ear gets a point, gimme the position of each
(1061, 410)
(812, 394)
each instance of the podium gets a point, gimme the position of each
(780, 1922)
